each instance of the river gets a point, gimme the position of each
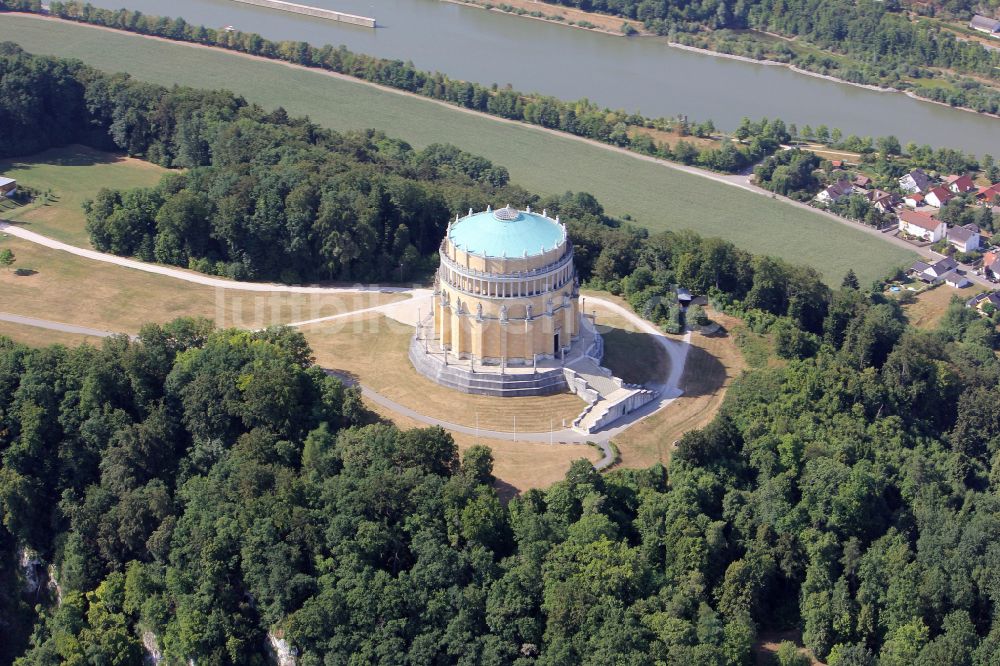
(636, 74)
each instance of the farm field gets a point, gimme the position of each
(655, 196)
(73, 174)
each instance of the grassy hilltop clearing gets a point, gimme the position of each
(656, 197)
(70, 175)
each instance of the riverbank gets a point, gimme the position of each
(315, 12)
(827, 77)
(794, 68)
(654, 197)
(597, 22)
(559, 15)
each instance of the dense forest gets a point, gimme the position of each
(204, 493)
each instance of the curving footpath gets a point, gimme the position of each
(668, 388)
(180, 273)
(56, 326)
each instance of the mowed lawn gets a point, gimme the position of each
(66, 288)
(72, 174)
(655, 196)
(374, 349)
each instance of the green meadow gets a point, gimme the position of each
(67, 177)
(654, 196)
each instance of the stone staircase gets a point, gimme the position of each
(612, 407)
(608, 397)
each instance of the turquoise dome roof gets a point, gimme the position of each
(506, 232)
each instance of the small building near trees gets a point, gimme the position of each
(985, 24)
(8, 187)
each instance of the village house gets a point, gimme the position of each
(985, 24)
(938, 196)
(862, 182)
(964, 239)
(956, 280)
(915, 181)
(883, 201)
(991, 265)
(979, 301)
(836, 192)
(8, 187)
(944, 270)
(959, 184)
(989, 195)
(914, 200)
(921, 225)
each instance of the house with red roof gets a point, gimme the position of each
(921, 225)
(938, 196)
(989, 195)
(959, 184)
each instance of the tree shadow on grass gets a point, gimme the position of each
(506, 491)
(703, 374)
(74, 155)
(635, 357)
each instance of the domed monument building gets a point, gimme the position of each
(506, 307)
(507, 318)
(507, 292)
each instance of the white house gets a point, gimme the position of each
(836, 192)
(964, 239)
(959, 184)
(921, 226)
(953, 279)
(938, 196)
(915, 181)
(943, 269)
(8, 187)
